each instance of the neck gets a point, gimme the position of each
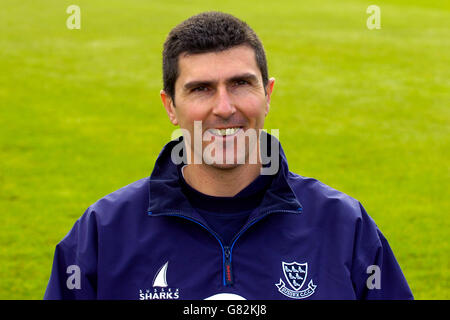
(220, 182)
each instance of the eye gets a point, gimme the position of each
(199, 89)
(241, 82)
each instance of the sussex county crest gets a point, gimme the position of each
(295, 275)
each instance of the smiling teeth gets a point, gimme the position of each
(224, 132)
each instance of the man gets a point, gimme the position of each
(214, 221)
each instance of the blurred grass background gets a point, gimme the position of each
(364, 111)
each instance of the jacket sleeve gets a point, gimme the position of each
(376, 273)
(74, 271)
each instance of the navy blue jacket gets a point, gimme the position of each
(305, 241)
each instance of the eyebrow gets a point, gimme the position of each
(245, 76)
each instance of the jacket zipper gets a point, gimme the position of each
(229, 277)
(227, 267)
(227, 250)
(226, 253)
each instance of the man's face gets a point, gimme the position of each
(223, 90)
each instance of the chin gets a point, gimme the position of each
(233, 161)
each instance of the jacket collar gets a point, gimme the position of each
(166, 196)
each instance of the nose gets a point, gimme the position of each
(223, 106)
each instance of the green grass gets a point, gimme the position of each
(366, 112)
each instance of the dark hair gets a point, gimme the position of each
(208, 32)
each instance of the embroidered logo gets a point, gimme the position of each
(295, 274)
(160, 288)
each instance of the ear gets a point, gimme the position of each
(169, 106)
(269, 89)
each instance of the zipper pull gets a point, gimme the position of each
(227, 266)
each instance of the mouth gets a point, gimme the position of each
(225, 132)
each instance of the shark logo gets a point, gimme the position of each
(295, 274)
(160, 279)
(160, 290)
